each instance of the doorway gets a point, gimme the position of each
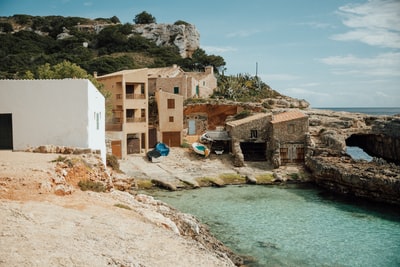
(6, 133)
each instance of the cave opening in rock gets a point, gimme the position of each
(379, 146)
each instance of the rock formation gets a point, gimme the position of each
(332, 168)
(184, 36)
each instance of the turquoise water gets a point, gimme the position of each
(295, 225)
(358, 153)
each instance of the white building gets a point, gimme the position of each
(68, 112)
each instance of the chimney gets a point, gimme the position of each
(209, 70)
(95, 74)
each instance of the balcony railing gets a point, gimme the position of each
(141, 119)
(135, 96)
(114, 127)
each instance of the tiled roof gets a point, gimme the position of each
(287, 116)
(247, 119)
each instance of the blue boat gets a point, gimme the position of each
(163, 149)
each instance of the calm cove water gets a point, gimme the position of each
(298, 225)
(295, 225)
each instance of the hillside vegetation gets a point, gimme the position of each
(30, 45)
(28, 42)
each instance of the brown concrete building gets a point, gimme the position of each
(170, 118)
(187, 84)
(127, 126)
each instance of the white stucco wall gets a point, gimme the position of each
(54, 112)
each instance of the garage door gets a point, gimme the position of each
(253, 151)
(172, 139)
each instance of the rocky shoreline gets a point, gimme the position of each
(46, 185)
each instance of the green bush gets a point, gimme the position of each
(86, 185)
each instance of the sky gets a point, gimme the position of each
(336, 53)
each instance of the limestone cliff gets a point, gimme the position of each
(184, 36)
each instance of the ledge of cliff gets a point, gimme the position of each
(184, 36)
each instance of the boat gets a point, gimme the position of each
(205, 138)
(201, 149)
(163, 149)
(154, 155)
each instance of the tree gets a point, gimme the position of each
(115, 19)
(144, 18)
(67, 69)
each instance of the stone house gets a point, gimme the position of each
(276, 138)
(249, 136)
(127, 126)
(68, 112)
(187, 84)
(287, 137)
(170, 118)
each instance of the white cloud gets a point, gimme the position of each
(386, 64)
(279, 77)
(217, 49)
(242, 33)
(318, 25)
(376, 23)
(298, 91)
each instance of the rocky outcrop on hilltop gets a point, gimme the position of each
(184, 36)
(330, 134)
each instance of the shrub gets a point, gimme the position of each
(243, 114)
(85, 185)
(112, 161)
(65, 160)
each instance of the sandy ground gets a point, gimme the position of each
(39, 228)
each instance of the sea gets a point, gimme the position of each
(297, 225)
(370, 111)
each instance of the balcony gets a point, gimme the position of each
(132, 119)
(135, 96)
(114, 127)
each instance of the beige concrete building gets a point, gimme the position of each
(127, 126)
(170, 118)
(187, 84)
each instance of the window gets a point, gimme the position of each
(129, 89)
(98, 121)
(176, 90)
(197, 90)
(171, 118)
(171, 103)
(253, 133)
(290, 128)
(130, 113)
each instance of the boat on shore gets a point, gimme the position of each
(201, 149)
